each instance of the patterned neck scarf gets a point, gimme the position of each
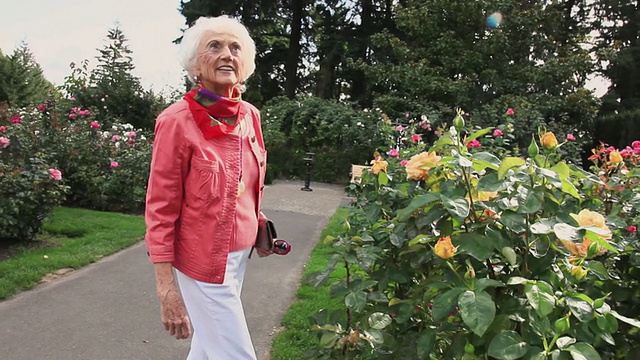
(214, 114)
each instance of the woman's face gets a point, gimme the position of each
(220, 63)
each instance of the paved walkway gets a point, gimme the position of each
(109, 310)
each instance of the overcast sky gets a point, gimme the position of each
(59, 32)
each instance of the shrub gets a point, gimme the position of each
(31, 184)
(454, 253)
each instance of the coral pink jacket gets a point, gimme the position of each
(192, 193)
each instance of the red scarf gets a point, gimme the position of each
(213, 120)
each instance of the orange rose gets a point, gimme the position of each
(444, 248)
(548, 140)
(419, 165)
(378, 164)
(615, 157)
(587, 218)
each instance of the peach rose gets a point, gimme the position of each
(548, 140)
(615, 157)
(587, 218)
(378, 164)
(444, 248)
(419, 165)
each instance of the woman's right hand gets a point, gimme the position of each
(174, 314)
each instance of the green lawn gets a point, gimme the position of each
(296, 338)
(77, 237)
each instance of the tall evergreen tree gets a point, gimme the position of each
(619, 49)
(21, 79)
(114, 90)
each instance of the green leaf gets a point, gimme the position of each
(543, 226)
(444, 303)
(356, 300)
(598, 269)
(514, 221)
(566, 232)
(583, 351)
(491, 183)
(418, 202)
(328, 340)
(483, 160)
(581, 309)
(464, 162)
(517, 280)
(509, 163)
(569, 188)
(474, 244)
(379, 320)
(565, 341)
(484, 283)
(543, 302)
(479, 133)
(477, 310)
(529, 201)
(383, 178)
(508, 345)
(425, 343)
(562, 169)
(535, 353)
(625, 319)
(457, 207)
(593, 236)
(607, 323)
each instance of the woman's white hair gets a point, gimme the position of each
(188, 55)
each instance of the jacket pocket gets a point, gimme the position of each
(203, 179)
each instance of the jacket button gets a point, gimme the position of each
(262, 163)
(253, 139)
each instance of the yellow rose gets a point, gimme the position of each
(579, 272)
(548, 140)
(419, 165)
(378, 164)
(587, 218)
(615, 157)
(444, 248)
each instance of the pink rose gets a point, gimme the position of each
(393, 153)
(72, 116)
(473, 144)
(72, 98)
(115, 138)
(3, 128)
(415, 138)
(130, 134)
(626, 153)
(4, 142)
(84, 112)
(404, 162)
(609, 149)
(95, 124)
(636, 151)
(400, 128)
(632, 229)
(497, 133)
(55, 174)
(570, 137)
(42, 108)
(635, 144)
(114, 164)
(510, 111)
(16, 120)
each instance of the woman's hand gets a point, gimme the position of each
(172, 310)
(174, 314)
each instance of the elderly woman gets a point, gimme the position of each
(204, 194)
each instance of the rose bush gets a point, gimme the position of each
(31, 184)
(452, 252)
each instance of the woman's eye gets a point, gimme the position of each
(235, 47)
(213, 45)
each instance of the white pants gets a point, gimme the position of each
(219, 327)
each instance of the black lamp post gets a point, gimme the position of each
(308, 163)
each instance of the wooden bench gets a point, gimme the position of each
(356, 173)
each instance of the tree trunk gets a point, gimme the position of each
(295, 48)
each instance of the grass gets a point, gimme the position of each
(74, 238)
(296, 338)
